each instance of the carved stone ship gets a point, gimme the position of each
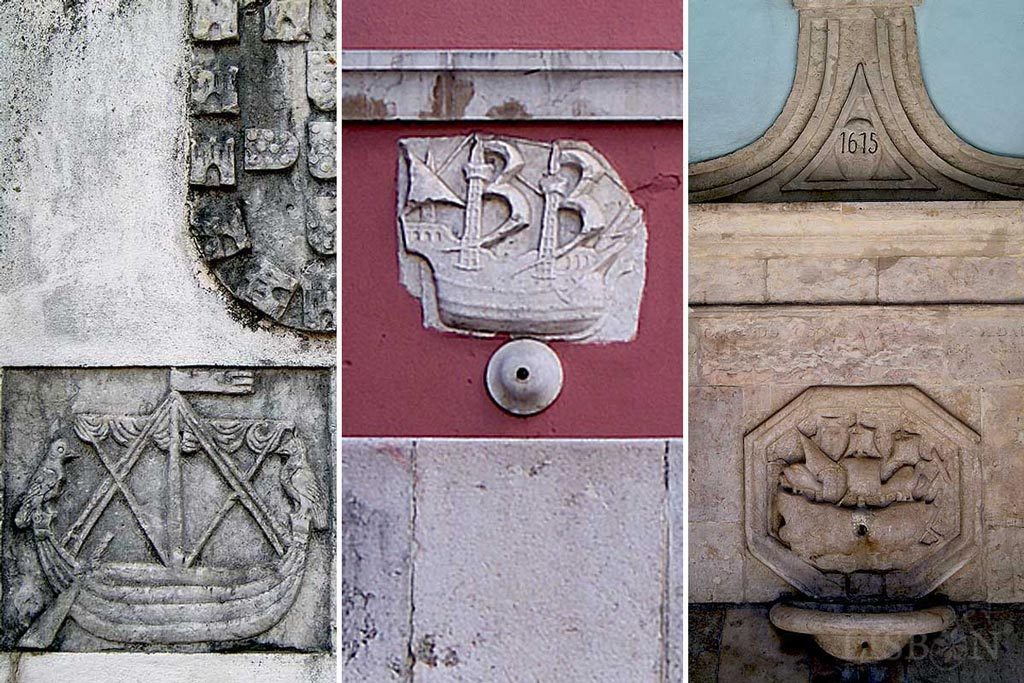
(520, 236)
(172, 601)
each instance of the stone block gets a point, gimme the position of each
(539, 560)
(761, 583)
(929, 279)
(376, 578)
(727, 281)
(705, 639)
(857, 230)
(675, 598)
(752, 649)
(716, 562)
(176, 668)
(821, 280)
(1001, 457)
(1004, 555)
(715, 454)
(863, 345)
(154, 510)
(509, 85)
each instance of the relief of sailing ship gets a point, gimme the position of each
(177, 597)
(857, 491)
(520, 236)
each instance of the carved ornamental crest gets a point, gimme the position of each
(862, 491)
(262, 157)
(505, 235)
(858, 124)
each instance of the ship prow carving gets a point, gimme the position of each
(858, 124)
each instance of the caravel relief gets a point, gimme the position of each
(262, 156)
(871, 491)
(503, 235)
(193, 518)
(859, 124)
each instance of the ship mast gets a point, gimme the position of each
(175, 522)
(476, 171)
(555, 189)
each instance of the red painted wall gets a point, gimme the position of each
(401, 379)
(511, 24)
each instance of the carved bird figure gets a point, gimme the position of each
(302, 485)
(36, 509)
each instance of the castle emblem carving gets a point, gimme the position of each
(177, 523)
(262, 158)
(875, 483)
(859, 124)
(505, 235)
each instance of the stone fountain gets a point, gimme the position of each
(865, 499)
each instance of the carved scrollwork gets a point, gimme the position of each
(858, 124)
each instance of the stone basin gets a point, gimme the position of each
(858, 636)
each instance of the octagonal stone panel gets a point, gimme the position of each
(863, 492)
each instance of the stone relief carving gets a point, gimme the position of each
(506, 235)
(862, 491)
(858, 123)
(214, 20)
(214, 90)
(191, 520)
(263, 228)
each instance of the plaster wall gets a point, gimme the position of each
(510, 24)
(97, 266)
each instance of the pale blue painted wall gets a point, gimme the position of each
(742, 58)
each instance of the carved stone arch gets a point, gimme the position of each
(862, 51)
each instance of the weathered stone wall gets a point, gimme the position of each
(97, 265)
(749, 362)
(107, 308)
(480, 560)
(951, 328)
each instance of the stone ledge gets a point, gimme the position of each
(171, 668)
(841, 253)
(427, 85)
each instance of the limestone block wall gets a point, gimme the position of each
(792, 296)
(747, 360)
(476, 559)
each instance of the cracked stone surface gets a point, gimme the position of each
(508, 559)
(377, 570)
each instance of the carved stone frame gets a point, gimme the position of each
(923, 577)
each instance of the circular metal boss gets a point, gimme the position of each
(524, 376)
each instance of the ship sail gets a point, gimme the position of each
(425, 186)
